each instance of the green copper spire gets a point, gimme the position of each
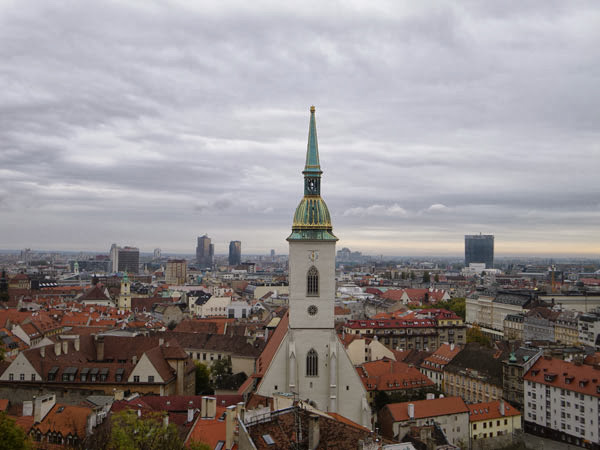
(312, 220)
(312, 167)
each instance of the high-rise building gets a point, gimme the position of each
(204, 252)
(156, 253)
(128, 260)
(235, 253)
(114, 257)
(479, 248)
(310, 361)
(176, 271)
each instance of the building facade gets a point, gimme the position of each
(479, 248)
(235, 253)
(129, 260)
(562, 401)
(176, 272)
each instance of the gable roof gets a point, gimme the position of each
(565, 375)
(491, 410)
(428, 408)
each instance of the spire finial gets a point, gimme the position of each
(312, 109)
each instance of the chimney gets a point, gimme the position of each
(240, 411)
(441, 395)
(43, 352)
(57, 348)
(430, 396)
(28, 408)
(76, 344)
(313, 432)
(134, 359)
(161, 341)
(411, 411)
(100, 348)
(166, 420)
(502, 411)
(230, 427)
(65, 347)
(190, 414)
(42, 406)
(452, 347)
(209, 407)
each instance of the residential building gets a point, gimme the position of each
(176, 272)
(205, 251)
(513, 327)
(389, 376)
(562, 401)
(519, 361)
(433, 366)
(362, 350)
(103, 364)
(489, 312)
(479, 248)
(309, 359)
(129, 260)
(475, 374)
(421, 330)
(235, 253)
(493, 419)
(450, 413)
(538, 324)
(588, 326)
(565, 328)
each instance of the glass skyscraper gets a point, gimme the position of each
(479, 248)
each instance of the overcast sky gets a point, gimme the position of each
(150, 124)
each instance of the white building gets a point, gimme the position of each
(588, 326)
(562, 401)
(310, 361)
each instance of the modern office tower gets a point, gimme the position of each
(156, 253)
(176, 272)
(129, 260)
(114, 257)
(235, 253)
(204, 252)
(479, 248)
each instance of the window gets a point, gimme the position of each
(22, 377)
(33, 377)
(11, 377)
(312, 363)
(136, 378)
(312, 282)
(150, 378)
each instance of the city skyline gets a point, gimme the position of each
(435, 121)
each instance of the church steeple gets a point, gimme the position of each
(312, 220)
(312, 166)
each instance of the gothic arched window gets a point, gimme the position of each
(312, 282)
(312, 363)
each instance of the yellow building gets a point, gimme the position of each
(492, 419)
(176, 272)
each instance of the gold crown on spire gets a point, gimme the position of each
(312, 109)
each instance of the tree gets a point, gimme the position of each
(4, 296)
(412, 275)
(198, 446)
(12, 436)
(436, 278)
(203, 385)
(474, 334)
(130, 432)
(426, 277)
(404, 275)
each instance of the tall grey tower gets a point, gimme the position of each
(235, 253)
(204, 252)
(479, 248)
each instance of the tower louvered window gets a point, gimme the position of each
(312, 282)
(312, 363)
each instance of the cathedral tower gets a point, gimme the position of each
(310, 361)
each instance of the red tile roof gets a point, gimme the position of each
(490, 410)
(428, 408)
(388, 375)
(565, 375)
(442, 356)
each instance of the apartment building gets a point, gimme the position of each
(492, 419)
(562, 401)
(433, 366)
